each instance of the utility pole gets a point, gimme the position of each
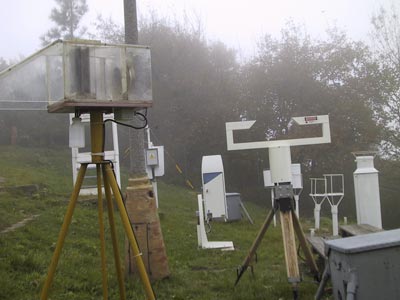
(140, 202)
(131, 28)
(136, 137)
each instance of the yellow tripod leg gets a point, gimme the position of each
(101, 229)
(111, 221)
(129, 232)
(63, 232)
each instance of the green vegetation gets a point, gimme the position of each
(195, 274)
(199, 84)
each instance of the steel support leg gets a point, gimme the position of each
(324, 280)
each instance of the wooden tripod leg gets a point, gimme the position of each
(129, 232)
(289, 245)
(101, 232)
(63, 232)
(304, 246)
(111, 221)
(255, 245)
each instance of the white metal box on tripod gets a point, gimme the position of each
(297, 183)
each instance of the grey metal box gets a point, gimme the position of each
(371, 262)
(234, 212)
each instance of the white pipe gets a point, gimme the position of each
(154, 184)
(296, 199)
(199, 242)
(317, 210)
(335, 223)
(272, 201)
(149, 143)
(351, 291)
(202, 241)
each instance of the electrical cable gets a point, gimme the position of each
(129, 125)
(208, 229)
(187, 181)
(172, 159)
(298, 254)
(144, 117)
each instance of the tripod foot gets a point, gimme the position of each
(295, 293)
(295, 290)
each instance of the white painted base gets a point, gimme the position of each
(202, 239)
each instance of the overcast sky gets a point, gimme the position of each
(239, 24)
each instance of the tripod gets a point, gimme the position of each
(280, 165)
(290, 225)
(103, 169)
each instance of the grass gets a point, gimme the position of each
(195, 274)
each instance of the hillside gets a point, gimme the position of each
(25, 253)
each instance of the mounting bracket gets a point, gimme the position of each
(308, 120)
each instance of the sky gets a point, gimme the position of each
(239, 24)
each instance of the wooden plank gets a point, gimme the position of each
(289, 244)
(317, 244)
(357, 229)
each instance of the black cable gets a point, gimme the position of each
(209, 227)
(129, 125)
(298, 254)
(145, 112)
(112, 166)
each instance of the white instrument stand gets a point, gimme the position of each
(202, 235)
(280, 166)
(334, 198)
(318, 195)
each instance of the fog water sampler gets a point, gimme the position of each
(318, 195)
(81, 77)
(330, 188)
(334, 195)
(280, 167)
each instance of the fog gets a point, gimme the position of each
(237, 24)
(200, 82)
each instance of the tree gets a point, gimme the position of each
(194, 89)
(67, 17)
(198, 86)
(3, 64)
(298, 76)
(386, 37)
(107, 31)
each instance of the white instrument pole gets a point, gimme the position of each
(335, 197)
(317, 212)
(272, 202)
